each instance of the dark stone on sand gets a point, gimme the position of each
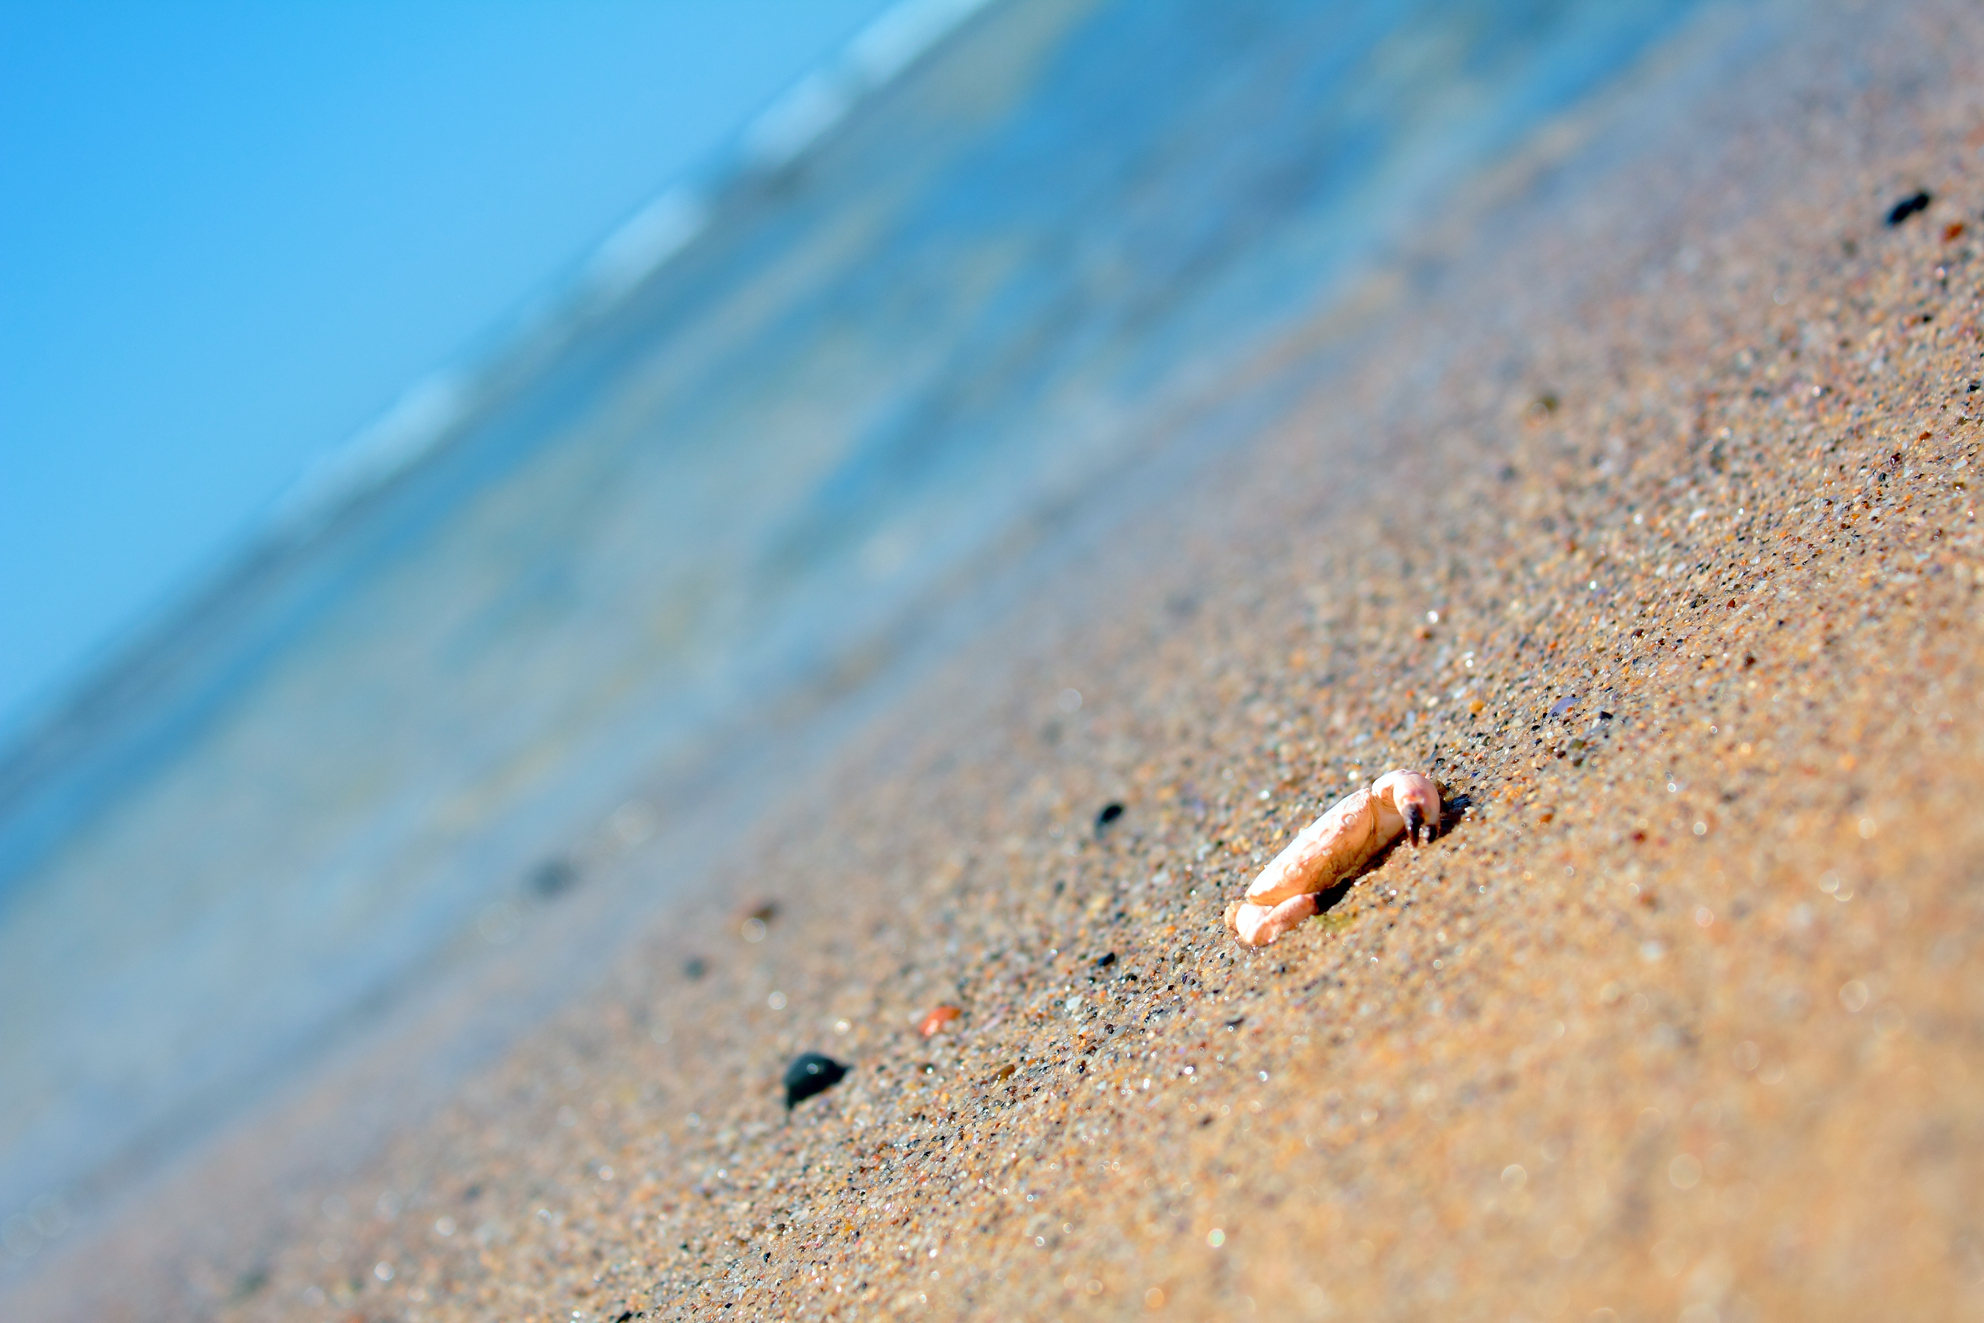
(1105, 960)
(1110, 812)
(810, 1073)
(695, 967)
(1908, 206)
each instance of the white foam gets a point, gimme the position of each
(800, 117)
(812, 107)
(646, 241)
(894, 40)
(642, 245)
(384, 447)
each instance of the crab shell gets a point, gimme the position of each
(1332, 848)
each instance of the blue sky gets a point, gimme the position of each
(232, 234)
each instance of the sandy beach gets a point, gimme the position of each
(1640, 511)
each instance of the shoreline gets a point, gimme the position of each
(1605, 1045)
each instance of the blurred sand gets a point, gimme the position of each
(1683, 1019)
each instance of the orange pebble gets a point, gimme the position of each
(938, 1018)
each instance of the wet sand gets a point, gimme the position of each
(1640, 511)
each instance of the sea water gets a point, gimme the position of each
(592, 594)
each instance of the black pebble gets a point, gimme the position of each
(1105, 960)
(1110, 812)
(695, 967)
(810, 1073)
(1908, 206)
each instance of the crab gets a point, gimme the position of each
(1333, 847)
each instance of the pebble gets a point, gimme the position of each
(937, 1019)
(1909, 206)
(811, 1073)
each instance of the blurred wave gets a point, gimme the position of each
(759, 451)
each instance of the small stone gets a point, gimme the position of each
(810, 1073)
(937, 1019)
(1908, 206)
(1110, 812)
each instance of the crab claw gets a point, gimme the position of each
(1415, 822)
(1415, 798)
